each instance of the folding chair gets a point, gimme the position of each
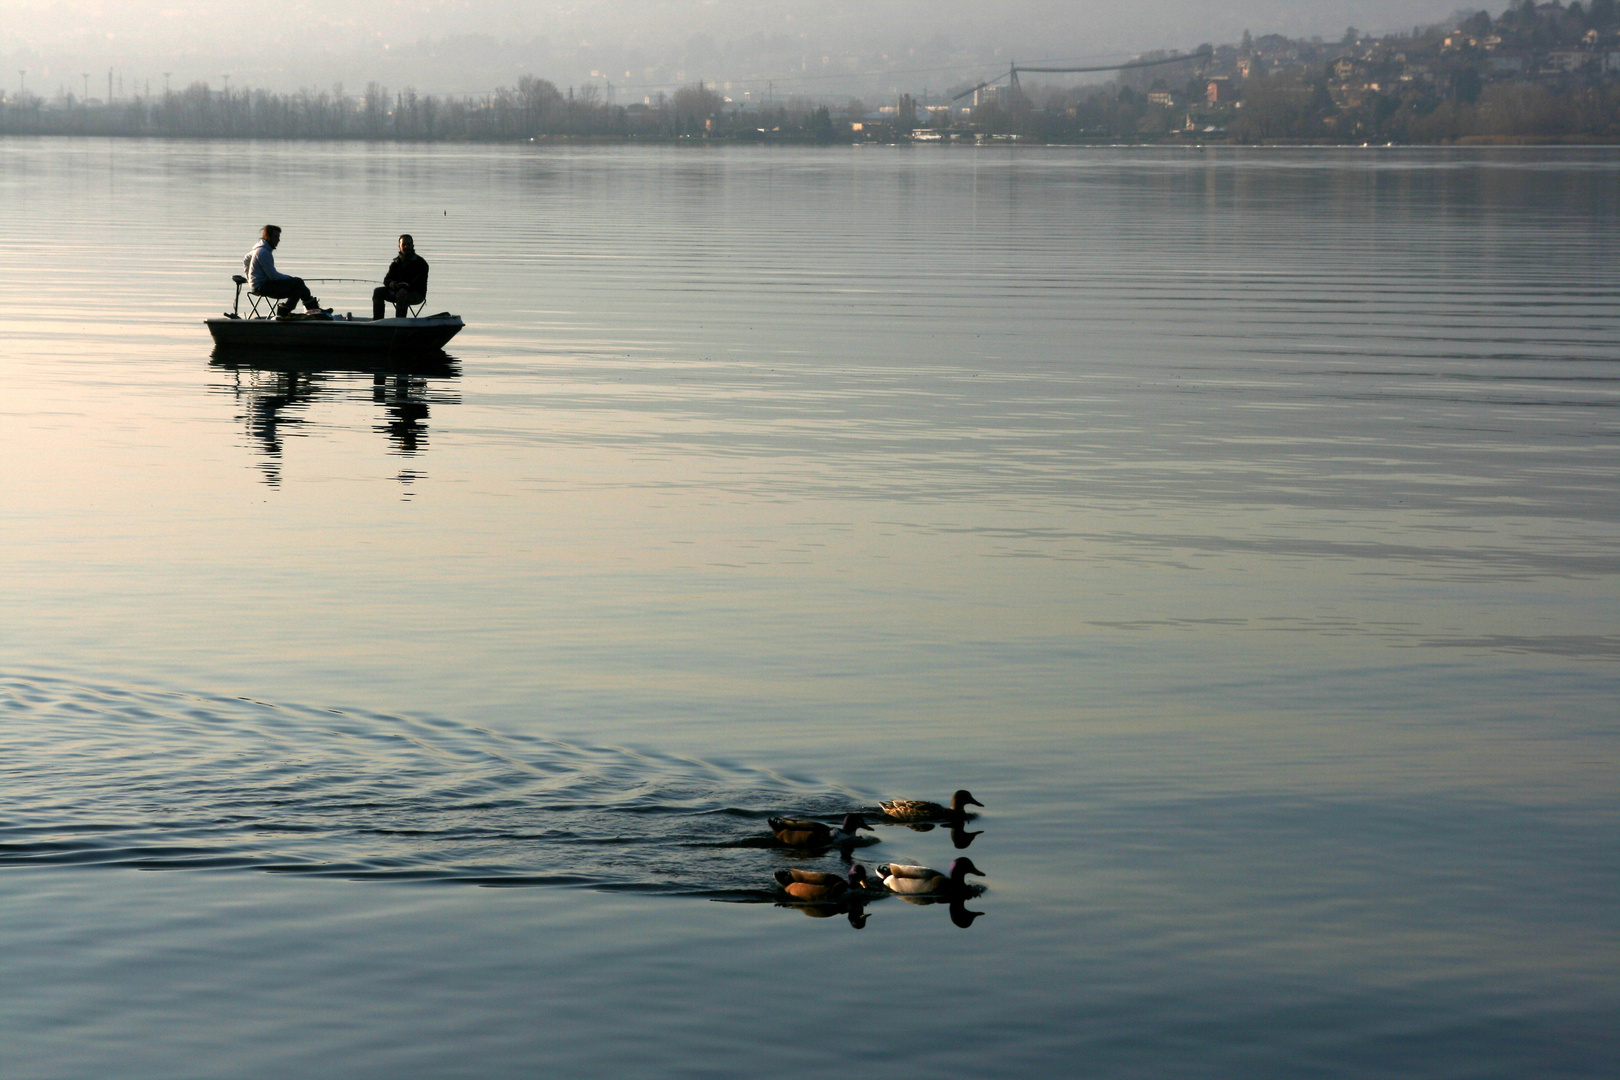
(412, 311)
(259, 306)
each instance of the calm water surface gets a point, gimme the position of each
(1239, 526)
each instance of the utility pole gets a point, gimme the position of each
(109, 86)
(86, 87)
(166, 75)
(22, 82)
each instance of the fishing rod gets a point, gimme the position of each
(367, 280)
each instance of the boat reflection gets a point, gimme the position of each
(276, 390)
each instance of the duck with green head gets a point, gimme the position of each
(923, 881)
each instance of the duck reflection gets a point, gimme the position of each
(852, 908)
(276, 391)
(960, 837)
(961, 916)
(955, 906)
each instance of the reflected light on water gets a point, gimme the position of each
(1241, 525)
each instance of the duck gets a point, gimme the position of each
(819, 886)
(795, 832)
(922, 881)
(922, 810)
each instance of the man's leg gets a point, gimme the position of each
(310, 303)
(280, 289)
(380, 296)
(290, 291)
(403, 302)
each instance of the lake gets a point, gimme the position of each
(1240, 526)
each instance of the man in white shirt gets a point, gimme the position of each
(266, 280)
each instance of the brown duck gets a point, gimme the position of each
(817, 885)
(921, 810)
(795, 832)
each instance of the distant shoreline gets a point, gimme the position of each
(1462, 142)
(1536, 75)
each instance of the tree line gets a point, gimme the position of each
(1434, 85)
(533, 109)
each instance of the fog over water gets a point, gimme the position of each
(441, 46)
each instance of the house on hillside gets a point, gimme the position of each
(1568, 60)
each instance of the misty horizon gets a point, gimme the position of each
(631, 48)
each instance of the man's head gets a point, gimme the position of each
(271, 234)
(406, 244)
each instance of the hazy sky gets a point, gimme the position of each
(639, 45)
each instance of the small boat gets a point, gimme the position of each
(314, 331)
(364, 335)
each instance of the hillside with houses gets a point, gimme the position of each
(1536, 72)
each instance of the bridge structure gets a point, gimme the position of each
(1013, 70)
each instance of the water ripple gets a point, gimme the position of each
(108, 776)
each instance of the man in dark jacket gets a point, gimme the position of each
(405, 283)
